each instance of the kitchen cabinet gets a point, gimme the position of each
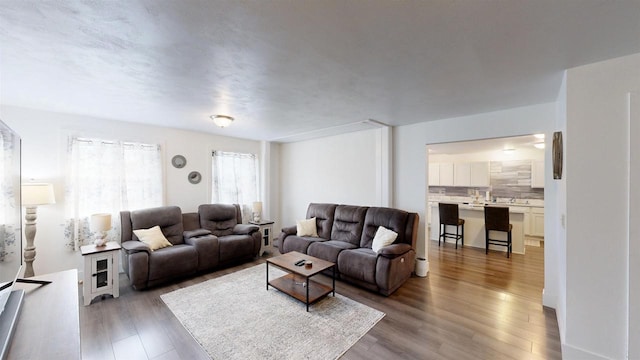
(537, 174)
(480, 174)
(434, 174)
(446, 174)
(462, 174)
(537, 221)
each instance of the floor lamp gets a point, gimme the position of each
(33, 194)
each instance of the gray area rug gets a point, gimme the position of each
(235, 317)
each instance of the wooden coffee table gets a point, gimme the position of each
(297, 282)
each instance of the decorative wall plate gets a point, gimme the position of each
(557, 155)
(179, 161)
(194, 177)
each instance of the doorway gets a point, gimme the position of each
(506, 172)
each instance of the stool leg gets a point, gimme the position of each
(457, 227)
(509, 243)
(462, 236)
(439, 233)
(486, 241)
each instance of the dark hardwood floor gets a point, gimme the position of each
(470, 306)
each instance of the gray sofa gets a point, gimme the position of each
(345, 236)
(212, 237)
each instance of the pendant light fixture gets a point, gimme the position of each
(222, 120)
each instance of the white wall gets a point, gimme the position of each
(597, 150)
(495, 155)
(555, 252)
(410, 160)
(338, 169)
(44, 143)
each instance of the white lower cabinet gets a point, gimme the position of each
(537, 221)
(534, 222)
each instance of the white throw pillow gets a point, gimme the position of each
(307, 227)
(383, 238)
(152, 237)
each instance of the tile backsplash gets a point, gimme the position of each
(509, 179)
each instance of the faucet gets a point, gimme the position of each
(512, 200)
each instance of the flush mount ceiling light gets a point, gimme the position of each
(539, 145)
(221, 120)
(539, 136)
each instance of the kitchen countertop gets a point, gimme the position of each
(516, 204)
(514, 208)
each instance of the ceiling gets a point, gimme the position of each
(288, 70)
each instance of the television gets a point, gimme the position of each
(10, 233)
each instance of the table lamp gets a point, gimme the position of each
(33, 194)
(257, 211)
(100, 224)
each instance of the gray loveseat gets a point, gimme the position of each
(212, 237)
(345, 235)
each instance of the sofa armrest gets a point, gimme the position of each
(133, 246)
(290, 230)
(245, 229)
(195, 233)
(394, 250)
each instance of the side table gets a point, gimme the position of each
(266, 228)
(101, 264)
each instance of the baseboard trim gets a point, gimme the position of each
(571, 352)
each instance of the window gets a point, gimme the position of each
(235, 180)
(107, 177)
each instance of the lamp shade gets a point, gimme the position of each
(257, 207)
(100, 222)
(34, 194)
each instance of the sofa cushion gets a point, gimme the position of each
(235, 247)
(169, 218)
(298, 243)
(307, 227)
(392, 219)
(324, 214)
(347, 223)
(172, 261)
(359, 264)
(328, 250)
(383, 238)
(152, 237)
(220, 219)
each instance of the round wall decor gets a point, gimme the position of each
(179, 161)
(194, 177)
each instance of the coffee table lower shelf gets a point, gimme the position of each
(291, 284)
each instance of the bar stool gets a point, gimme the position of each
(497, 219)
(449, 216)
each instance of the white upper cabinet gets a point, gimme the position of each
(469, 174)
(462, 174)
(446, 174)
(537, 174)
(480, 176)
(434, 174)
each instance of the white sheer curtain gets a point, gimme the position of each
(235, 180)
(107, 177)
(9, 181)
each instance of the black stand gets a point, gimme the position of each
(29, 281)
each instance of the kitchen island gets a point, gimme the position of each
(474, 235)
